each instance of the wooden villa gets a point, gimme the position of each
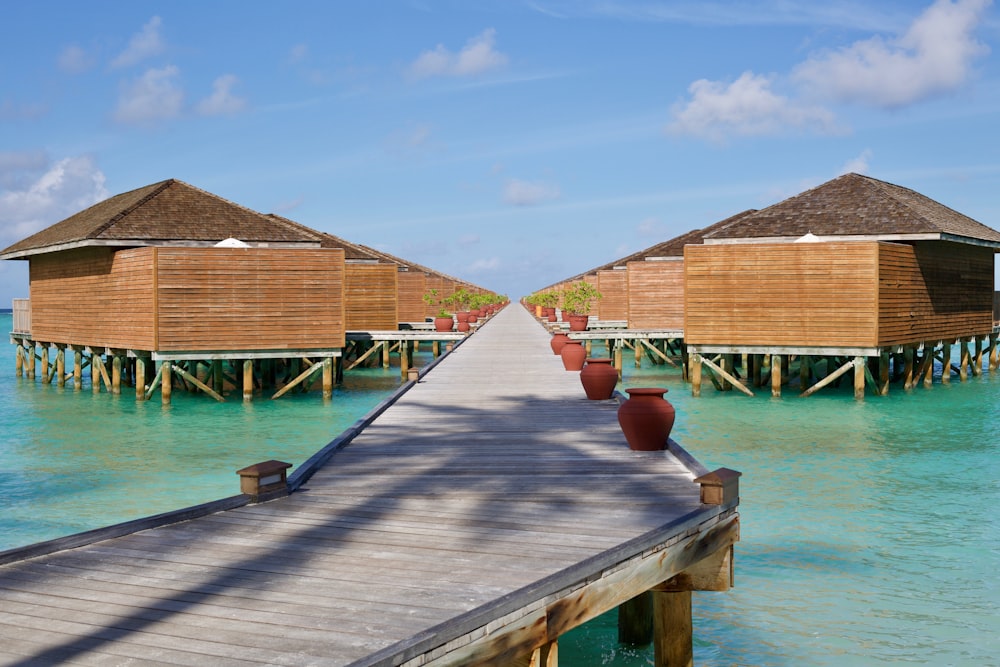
(854, 275)
(644, 292)
(217, 294)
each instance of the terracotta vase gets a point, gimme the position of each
(444, 324)
(462, 316)
(573, 355)
(473, 318)
(578, 322)
(557, 342)
(646, 419)
(474, 312)
(464, 326)
(599, 379)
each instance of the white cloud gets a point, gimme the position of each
(154, 96)
(746, 107)
(222, 101)
(75, 60)
(144, 44)
(467, 240)
(484, 265)
(650, 227)
(933, 56)
(526, 193)
(64, 188)
(298, 53)
(478, 56)
(857, 165)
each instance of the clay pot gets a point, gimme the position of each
(573, 355)
(462, 316)
(444, 324)
(599, 379)
(578, 322)
(464, 326)
(646, 419)
(557, 342)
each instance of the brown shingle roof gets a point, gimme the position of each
(159, 214)
(855, 205)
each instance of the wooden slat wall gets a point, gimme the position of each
(93, 296)
(613, 286)
(656, 294)
(795, 294)
(370, 297)
(934, 290)
(250, 299)
(412, 286)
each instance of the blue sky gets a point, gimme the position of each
(510, 143)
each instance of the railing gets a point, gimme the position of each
(22, 316)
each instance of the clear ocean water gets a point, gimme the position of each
(870, 530)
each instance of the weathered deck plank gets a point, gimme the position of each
(489, 490)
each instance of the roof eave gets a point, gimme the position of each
(139, 243)
(927, 236)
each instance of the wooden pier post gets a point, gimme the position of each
(635, 620)
(618, 360)
(929, 357)
(385, 355)
(140, 379)
(77, 369)
(673, 644)
(908, 367)
(46, 375)
(61, 366)
(19, 360)
(95, 378)
(883, 373)
(247, 380)
(695, 360)
(977, 357)
(166, 381)
(637, 348)
(859, 377)
(327, 379)
(946, 363)
(404, 358)
(29, 358)
(776, 367)
(727, 367)
(963, 360)
(116, 374)
(994, 353)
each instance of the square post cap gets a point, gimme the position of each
(719, 486)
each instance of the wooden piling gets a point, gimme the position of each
(860, 366)
(673, 644)
(963, 360)
(695, 360)
(19, 361)
(247, 380)
(327, 378)
(946, 363)
(635, 620)
(29, 359)
(883, 373)
(776, 367)
(994, 353)
(46, 374)
(116, 374)
(140, 379)
(166, 382)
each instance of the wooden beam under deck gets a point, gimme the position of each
(450, 527)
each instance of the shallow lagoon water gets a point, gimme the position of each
(869, 529)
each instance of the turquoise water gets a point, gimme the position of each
(869, 529)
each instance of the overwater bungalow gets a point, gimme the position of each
(855, 274)
(174, 275)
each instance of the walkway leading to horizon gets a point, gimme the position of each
(491, 505)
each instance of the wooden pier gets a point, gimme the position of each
(489, 509)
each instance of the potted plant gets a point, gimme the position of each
(459, 302)
(442, 320)
(577, 301)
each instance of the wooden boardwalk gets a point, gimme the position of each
(490, 509)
